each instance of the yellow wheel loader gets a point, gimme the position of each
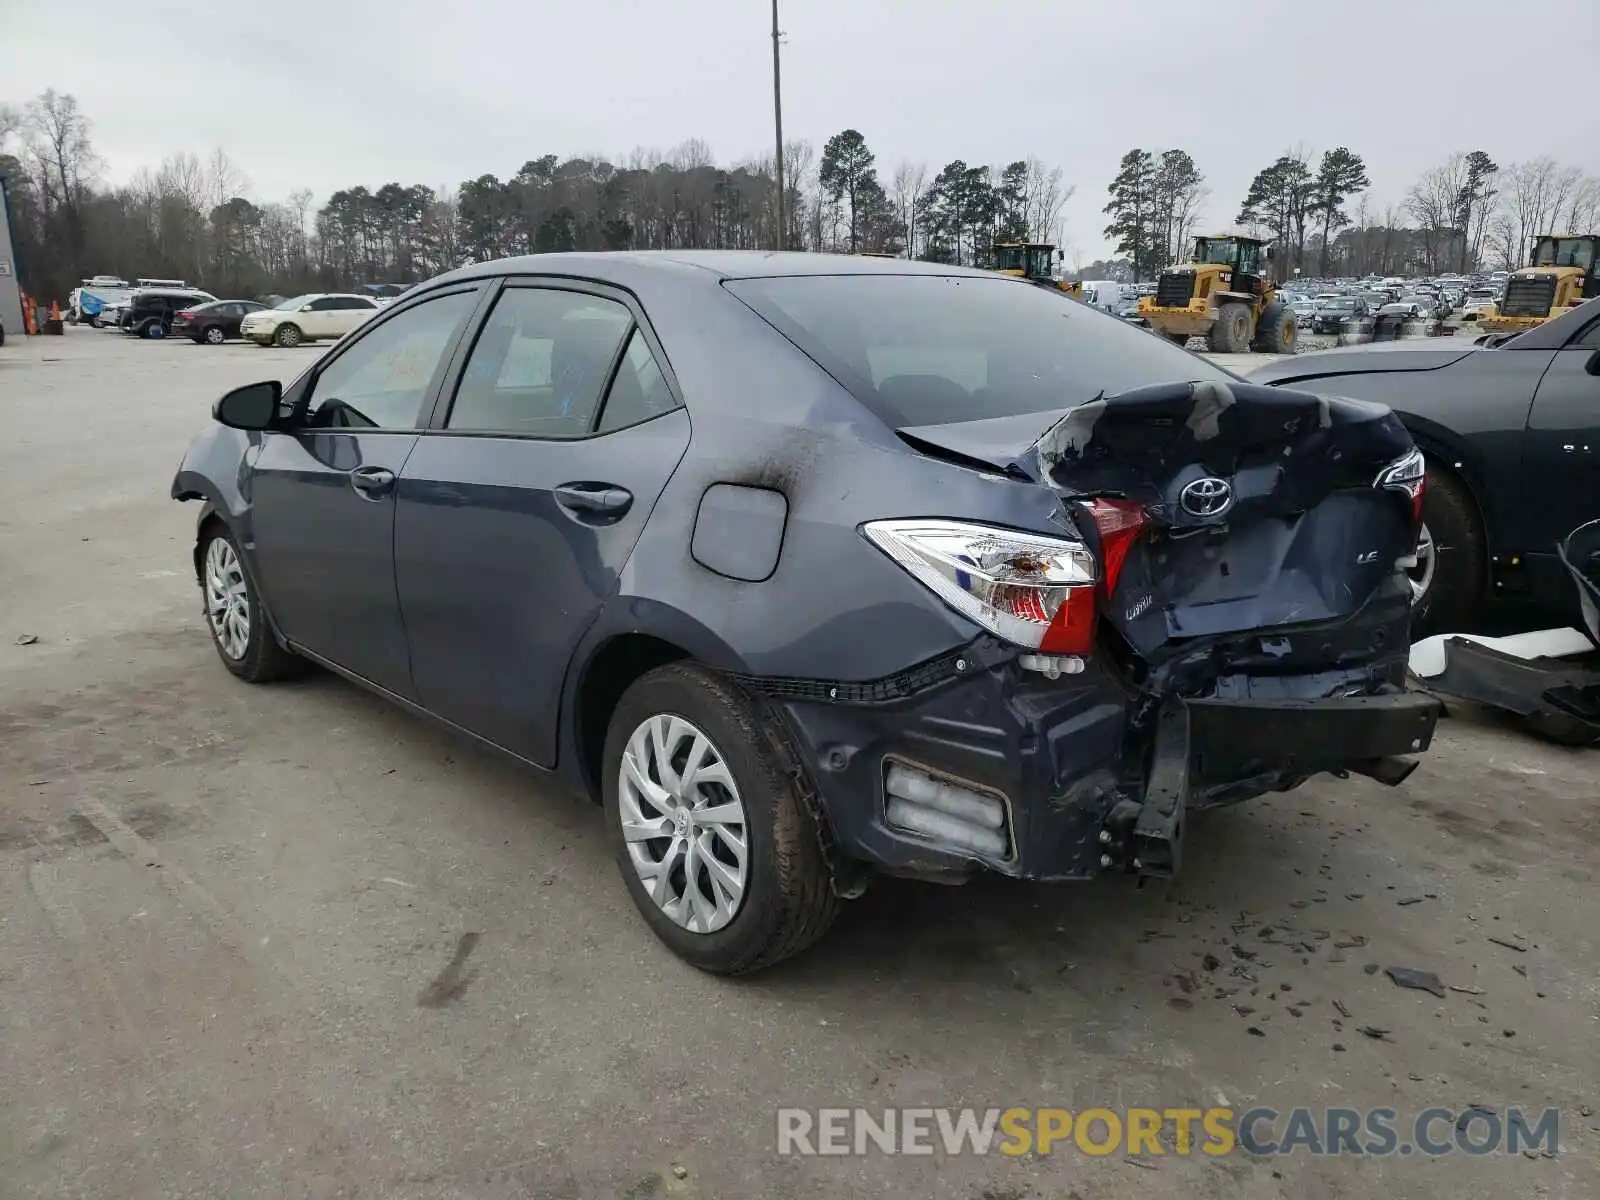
(1225, 294)
(1560, 277)
(1033, 261)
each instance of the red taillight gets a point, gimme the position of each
(185, 315)
(1120, 523)
(1072, 628)
(1408, 475)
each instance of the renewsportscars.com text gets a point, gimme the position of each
(1373, 1132)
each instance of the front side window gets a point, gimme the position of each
(381, 381)
(541, 364)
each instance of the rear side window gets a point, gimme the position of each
(930, 350)
(639, 391)
(381, 381)
(541, 364)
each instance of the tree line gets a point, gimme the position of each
(195, 218)
(192, 218)
(1464, 213)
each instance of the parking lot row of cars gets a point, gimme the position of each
(171, 308)
(1335, 306)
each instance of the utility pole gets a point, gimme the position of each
(777, 121)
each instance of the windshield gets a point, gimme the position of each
(294, 303)
(1216, 250)
(928, 350)
(1564, 252)
(1342, 302)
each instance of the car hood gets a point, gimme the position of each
(1411, 354)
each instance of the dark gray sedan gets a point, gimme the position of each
(812, 567)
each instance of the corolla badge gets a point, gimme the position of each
(1207, 497)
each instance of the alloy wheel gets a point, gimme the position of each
(684, 823)
(214, 335)
(1421, 575)
(227, 599)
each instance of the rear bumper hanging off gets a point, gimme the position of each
(996, 768)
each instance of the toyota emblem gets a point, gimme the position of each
(1208, 497)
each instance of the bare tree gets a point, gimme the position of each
(1046, 195)
(224, 178)
(1504, 241)
(1530, 192)
(909, 183)
(1434, 201)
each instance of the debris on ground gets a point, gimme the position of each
(1373, 1032)
(1139, 1160)
(1421, 981)
(27, 639)
(1509, 944)
(1371, 968)
(1343, 1011)
(1466, 988)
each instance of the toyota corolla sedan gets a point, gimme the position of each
(810, 568)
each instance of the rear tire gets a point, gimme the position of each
(214, 335)
(1276, 331)
(1455, 587)
(1230, 334)
(787, 900)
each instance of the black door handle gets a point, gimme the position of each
(372, 483)
(599, 499)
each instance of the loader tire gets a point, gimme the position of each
(1230, 334)
(1276, 331)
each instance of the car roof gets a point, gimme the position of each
(722, 264)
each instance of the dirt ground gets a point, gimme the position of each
(287, 941)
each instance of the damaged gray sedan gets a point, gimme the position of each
(810, 568)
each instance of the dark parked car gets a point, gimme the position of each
(1342, 314)
(812, 566)
(215, 322)
(150, 311)
(1512, 437)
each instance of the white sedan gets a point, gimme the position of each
(307, 318)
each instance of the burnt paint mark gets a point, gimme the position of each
(451, 983)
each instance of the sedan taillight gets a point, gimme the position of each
(1410, 476)
(1031, 590)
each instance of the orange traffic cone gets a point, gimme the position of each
(27, 315)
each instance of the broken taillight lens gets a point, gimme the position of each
(1120, 523)
(1408, 475)
(1034, 591)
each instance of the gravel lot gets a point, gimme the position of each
(235, 955)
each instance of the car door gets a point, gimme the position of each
(322, 493)
(319, 318)
(519, 507)
(354, 311)
(1561, 449)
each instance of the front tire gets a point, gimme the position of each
(1230, 333)
(714, 840)
(234, 615)
(1276, 331)
(1448, 581)
(288, 336)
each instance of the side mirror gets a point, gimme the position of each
(254, 406)
(1593, 365)
(305, 308)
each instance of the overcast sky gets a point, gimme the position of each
(334, 93)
